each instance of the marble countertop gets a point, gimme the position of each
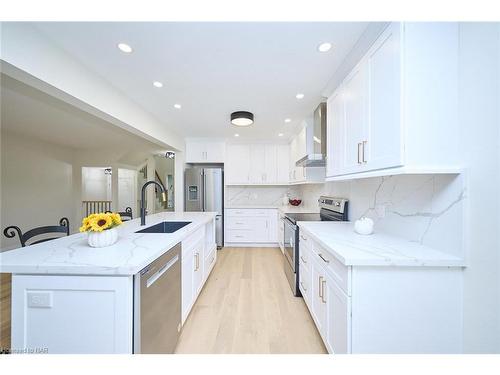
(378, 249)
(133, 251)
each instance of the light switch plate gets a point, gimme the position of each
(39, 299)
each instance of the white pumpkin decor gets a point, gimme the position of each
(363, 226)
(102, 239)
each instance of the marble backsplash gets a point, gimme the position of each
(254, 195)
(427, 209)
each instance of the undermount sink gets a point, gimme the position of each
(165, 227)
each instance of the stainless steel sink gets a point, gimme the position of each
(165, 227)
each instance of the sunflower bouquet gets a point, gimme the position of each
(100, 222)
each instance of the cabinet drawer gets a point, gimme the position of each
(236, 235)
(305, 284)
(248, 212)
(210, 259)
(189, 242)
(236, 222)
(304, 256)
(338, 272)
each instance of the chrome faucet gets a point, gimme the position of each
(143, 198)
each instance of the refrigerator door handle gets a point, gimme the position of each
(203, 208)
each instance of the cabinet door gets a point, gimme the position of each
(318, 301)
(198, 260)
(215, 152)
(301, 144)
(195, 152)
(273, 226)
(270, 164)
(237, 166)
(335, 134)
(293, 155)
(187, 284)
(355, 102)
(257, 164)
(383, 143)
(282, 164)
(337, 338)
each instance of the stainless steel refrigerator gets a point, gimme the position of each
(204, 191)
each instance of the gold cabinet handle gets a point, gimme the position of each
(324, 260)
(359, 148)
(320, 284)
(197, 255)
(323, 283)
(303, 260)
(364, 144)
(301, 236)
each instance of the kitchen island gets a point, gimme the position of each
(70, 298)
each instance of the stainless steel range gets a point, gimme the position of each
(331, 209)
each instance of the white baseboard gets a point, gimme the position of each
(247, 244)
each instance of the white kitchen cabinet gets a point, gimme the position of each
(237, 166)
(282, 164)
(300, 146)
(338, 314)
(251, 226)
(256, 164)
(390, 113)
(381, 309)
(187, 297)
(335, 133)
(205, 151)
(302, 143)
(281, 231)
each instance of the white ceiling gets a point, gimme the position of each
(32, 113)
(213, 69)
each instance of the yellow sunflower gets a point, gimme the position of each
(99, 222)
(117, 220)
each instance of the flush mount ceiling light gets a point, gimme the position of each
(177, 106)
(280, 134)
(124, 47)
(242, 118)
(157, 84)
(299, 96)
(324, 47)
(236, 135)
(287, 120)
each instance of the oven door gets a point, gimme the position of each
(289, 243)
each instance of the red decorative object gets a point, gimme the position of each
(295, 202)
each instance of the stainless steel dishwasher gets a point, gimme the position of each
(157, 304)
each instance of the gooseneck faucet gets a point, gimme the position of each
(143, 198)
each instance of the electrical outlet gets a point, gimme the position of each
(39, 299)
(380, 211)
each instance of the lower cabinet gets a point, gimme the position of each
(251, 226)
(381, 309)
(198, 260)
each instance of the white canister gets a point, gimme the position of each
(102, 239)
(363, 226)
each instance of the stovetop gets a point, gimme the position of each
(294, 217)
(332, 209)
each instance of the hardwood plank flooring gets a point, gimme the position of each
(5, 301)
(247, 306)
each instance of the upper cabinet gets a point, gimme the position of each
(300, 146)
(205, 151)
(396, 111)
(257, 164)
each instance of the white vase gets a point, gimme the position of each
(102, 239)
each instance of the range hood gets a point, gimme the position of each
(317, 156)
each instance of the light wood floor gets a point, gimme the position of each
(247, 306)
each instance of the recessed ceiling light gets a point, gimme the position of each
(324, 47)
(287, 120)
(242, 118)
(178, 106)
(236, 135)
(299, 96)
(157, 84)
(124, 47)
(280, 134)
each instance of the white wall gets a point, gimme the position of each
(37, 185)
(96, 185)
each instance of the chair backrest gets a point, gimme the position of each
(12, 230)
(125, 215)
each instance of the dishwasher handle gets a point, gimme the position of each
(161, 271)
